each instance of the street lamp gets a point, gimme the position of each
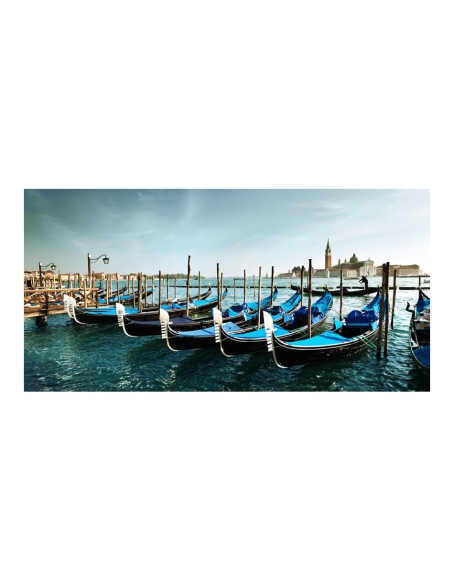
(90, 261)
(53, 266)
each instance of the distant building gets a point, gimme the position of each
(328, 257)
(354, 268)
(403, 270)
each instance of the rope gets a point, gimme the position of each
(367, 343)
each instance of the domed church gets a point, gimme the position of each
(354, 268)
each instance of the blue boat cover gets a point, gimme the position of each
(366, 317)
(253, 306)
(327, 338)
(422, 304)
(235, 309)
(361, 318)
(105, 310)
(209, 331)
(423, 356)
(318, 310)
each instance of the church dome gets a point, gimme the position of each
(354, 259)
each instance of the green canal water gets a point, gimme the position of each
(65, 356)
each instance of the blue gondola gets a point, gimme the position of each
(207, 337)
(358, 330)
(140, 324)
(420, 331)
(292, 326)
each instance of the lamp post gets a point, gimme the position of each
(90, 261)
(53, 266)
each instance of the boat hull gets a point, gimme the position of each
(288, 355)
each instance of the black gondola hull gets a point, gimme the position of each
(233, 345)
(288, 356)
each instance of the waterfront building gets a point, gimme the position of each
(352, 269)
(403, 270)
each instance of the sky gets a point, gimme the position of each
(152, 230)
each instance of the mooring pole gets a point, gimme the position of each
(385, 350)
(382, 311)
(140, 291)
(302, 284)
(341, 293)
(272, 286)
(394, 297)
(309, 301)
(259, 296)
(159, 291)
(145, 292)
(167, 287)
(187, 285)
(85, 293)
(244, 286)
(222, 289)
(218, 279)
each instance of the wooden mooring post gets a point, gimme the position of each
(187, 284)
(382, 311)
(394, 297)
(139, 298)
(244, 286)
(341, 293)
(309, 300)
(259, 296)
(133, 292)
(385, 349)
(218, 282)
(272, 286)
(302, 284)
(159, 291)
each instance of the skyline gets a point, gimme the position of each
(152, 230)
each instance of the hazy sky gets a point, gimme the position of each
(148, 230)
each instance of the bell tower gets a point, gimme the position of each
(328, 256)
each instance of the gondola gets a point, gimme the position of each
(201, 338)
(139, 325)
(294, 326)
(108, 314)
(336, 292)
(356, 331)
(420, 330)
